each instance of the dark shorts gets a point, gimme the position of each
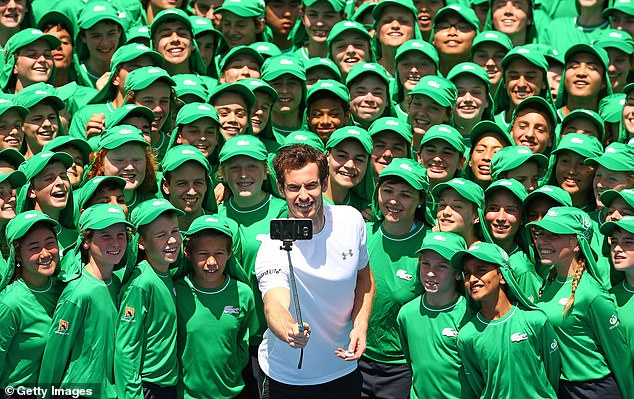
(603, 388)
(153, 391)
(252, 376)
(346, 387)
(383, 380)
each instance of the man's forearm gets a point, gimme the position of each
(278, 316)
(363, 299)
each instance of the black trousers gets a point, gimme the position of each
(603, 388)
(346, 387)
(383, 380)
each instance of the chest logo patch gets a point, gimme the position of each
(345, 255)
(449, 332)
(614, 321)
(62, 327)
(128, 316)
(231, 310)
(518, 337)
(400, 273)
(554, 345)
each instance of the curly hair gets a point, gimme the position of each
(297, 156)
(151, 166)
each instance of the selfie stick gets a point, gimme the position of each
(287, 245)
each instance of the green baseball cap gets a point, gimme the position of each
(102, 216)
(245, 92)
(141, 78)
(409, 170)
(338, 89)
(16, 178)
(624, 6)
(127, 110)
(202, 25)
(628, 88)
(60, 12)
(147, 211)
(266, 49)
(439, 89)
(20, 225)
(492, 36)
(618, 39)
(337, 5)
(13, 156)
(588, 115)
(284, 64)
(63, 141)
(465, 13)
(326, 63)
(350, 132)
(586, 146)
(611, 107)
(346, 26)
(555, 193)
(243, 144)
(117, 136)
(443, 243)
(608, 196)
(378, 9)
(526, 53)
(210, 222)
(363, 68)
(469, 190)
(541, 104)
(617, 157)
(565, 220)
(194, 111)
(176, 156)
(241, 50)
(625, 223)
(304, 137)
(26, 37)
(513, 186)
(447, 133)
(484, 251)
(392, 124)
(7, 105)
(37, 93)
(98, 11)
(170, 14)
(418, 46)
(138, 34)
(256, 85)
(469, 68)
(86, 191)
(243, 8)
(488, 127)
(514, 156)
(190, 84)
(36, 164)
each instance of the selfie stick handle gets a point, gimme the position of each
(288, 246)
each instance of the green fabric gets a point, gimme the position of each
(439, 89)
(243, 8)
(334, 88)
(626, 195)
(213, 338)
(245, 92)
(562, 33)
(117, 136)
(7, 104)
(36, 164)
(592, 341)
(189, 84)
(446, 133)
(141, 78)
(586, 146)
(75, 142)
(492, 36)
(347, 26)
(12, 156)
(617, 39)
(239, 50)
(557, 194)
(81, 339)
(194, 111)
(397, 282)
(16, 178)
(148, 211)
(101, 216)
(180, 154)
(246, 145)
(89, 16)
(277, 66)
(409, 170)
(254, 222)
(500, 355)
(611, 107)
(467, 189)
(527, 276)
(318, 62)
(145, 348)
(463, 12)
(624, 295)
(38, 92)
(395, 125)
(428, 336)
(350, 132)
(125, 111)
(514, 156)
(25, 315)
(474, 71)
(81, 117)
(617, 157)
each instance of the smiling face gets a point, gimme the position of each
(628, 114)
(441, 159)
(424, 113)
(242, 66)
(318, 19)
(186, 187)
(40, 126)
(531, 129)
(202, 134)
(7, 202)
(209, 253)
(412, 66)
(244, 176)
(436, 273)
(368, 98)
(290, 91)
(76, 170)
(128, 162)
(348, 49)
(427, 10)
(50, 188)
(12, 13)
(261, 113)
(161, 240)
(622, 250)
(102, 40)
(523, 80)
(584, 75)
(232, 113)
(456, 214)
(472, 98)
(11, 133)
(398, 201)
(572, 175)
(386, 146)
(510, 17)
(482, 280)
(303, 191)
(483, 150)
(453, 35)
(239, 31)
(34, 63)
(347, 163)
(619, 68)
(156, 97)
(489, 56)
(555, 249)
(106, 247)
(395, 26)
(38, 253)
(325, 115)
(503, 214)
(606, 179)
(173, 40)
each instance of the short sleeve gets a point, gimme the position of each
(270, 271)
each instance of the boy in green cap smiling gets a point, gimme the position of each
(234, 103)
(81, 339)
(488, 50)
(509, 338)
(327, 108)
(28, 60)
(584, 121)
(414, 59)
(316, 19)
(241, 62)
(455, 27)
(391, 138)
(145, 359)
(395, 22)
(428, 325)
(197, 124)
(619, 46)
(486, 139)
(474, 102)
(11, 120)
(241, 22)
(370, 98)
(77, 148)
(442, 154)
(519, 163)
(533, 125)
(349, 43)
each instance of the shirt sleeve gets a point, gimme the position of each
(67, 322)
(130, 342)
(8, 330)
(364, 256)
(605, 323)
(269, 270)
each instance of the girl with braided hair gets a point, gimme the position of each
(595, 360)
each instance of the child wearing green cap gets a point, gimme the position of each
(233, 102)
(618, 204)
(241, 22)
(241, 62)
(460, 204)
(28, 302)
(515, 19)
(100, 32)
(487, 138)
(138, 116)
(211, 299)
(320, 68)
(265, 97)
(197, 124)
(102, 190)
(395, 22)
(454, 46)
(327, 108)
(77, 148)
(619, 46)
(431, 102)
(55, 22)
(538, 202)
(10, 181)
(349, 43)
(391, 138)
(392, 243)
(533, 125)
(124, 152)
(145, 361)
(370, 98)
(595, 357)
(519, 163)
(442, 154)
(11, 120)
(474, 102)
(488, 50)
(316, 19)
(413, 60)
(426, 11)
(584, 121)
(620, 234)
(81, 339)
(620, 15)
(509, 338)
(428, 325)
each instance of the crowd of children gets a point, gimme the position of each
(489, 146)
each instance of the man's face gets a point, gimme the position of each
(303, 191)
(187, 187)
(173, 40)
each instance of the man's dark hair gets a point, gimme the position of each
(297, 156)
